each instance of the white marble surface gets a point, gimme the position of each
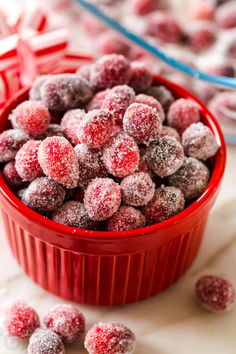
(171, 323)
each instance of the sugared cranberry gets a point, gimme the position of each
(225, 15)
(74, 214)
(32, 117)
(201, 9)
(102, 198)
(231, 49)
(191, 178)
(44, 195)
(58, 160)
(143, 123)
(216, 294)
(121, 156)
(91, 25)
(164, 27)
(45, 341)
(167, 202)
(52, 130)
(34, 93)
(12, 177)
(10, 142)
(137, 189)
(223, 106)
(27, 164)
(223, 68)
(152, 102)
(95, 129)
(141, 77)
(126, 218)
(205, 91)
(165, 156)
(171, 132)
(110, 70)
(182, 113)
(201, 36)
(20, 320)
(90, 165)
(199, 142)
(118, 100)
(65, 91)
(161, 94)
(66, 321)
(107, 338)
(84, 71)
(70, 122)
(143, 7)
(97, 100)
(110, 42)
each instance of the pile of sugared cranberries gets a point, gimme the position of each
(124, 154)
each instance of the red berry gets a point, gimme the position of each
(102, 198)
(171, 132)
(126, 218)
(10, 142)
(91, 25)
(167, 202)
(84, 71)
(97, 100)
(161, 94)
(143, 7)
(231, 50)
(201, 36)
(222, 68)
(58, 160)
(109, 338)
(110, 70)
(215, 293)
(70, 122)
(45, 341)
(199, 142)
(192, 178)
(110, 42)
(121, 156)
(12, 177)
(223, 106)
(27, 164)
(182, 113)
(43, 195)
(225, 15)
(90, 165)
(65, 91)
(34, 93)
(143, 123)
(20, 320)
(66, 321)
(52, 130)
(152, 102)
(205, 91)
(32, 117)
(137, 189)
(141, 76)
(164, 27)
(165, 156)
(201, 9)
(118, 100)
(96, 128)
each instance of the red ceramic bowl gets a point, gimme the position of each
(109, 268)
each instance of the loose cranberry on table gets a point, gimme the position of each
(225, 15)
(143, 7)
(201, 36)
(45, 341)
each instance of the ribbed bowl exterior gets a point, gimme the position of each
(106, 268)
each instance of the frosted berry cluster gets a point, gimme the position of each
(124, 153)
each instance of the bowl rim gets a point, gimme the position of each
(68, 231)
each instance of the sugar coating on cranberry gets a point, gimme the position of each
(137, 189)
(201, 9)
(222, 68)
(109, 71)
(164, 27)
(45, 341)
(192, 178)
(66, 321)
(225, 15)
(90, 165)
(20, 320)
(58, 160)
(223, 106)
(141, 76)
(171, 132)
(52, 130)
(12, 177)
(121, 156)
(215, 293)
(199, 142)
(108, 338)
(10, 142)
(126, 218)
(43, 195)
(74, 214)
(152, 102)
(70, 122)
(84, 71)
(97, 100)
(34, 92)
(27, 164)
(165, 156)
(102, 198)
(96, 127)
(118, 100)
(161, 94)
(182, 113)
(205, 91)
(110, 42)
(143, 7)
(143, 123)
(167, 202)
(65, 91)
(32, 117)
(201, 36)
